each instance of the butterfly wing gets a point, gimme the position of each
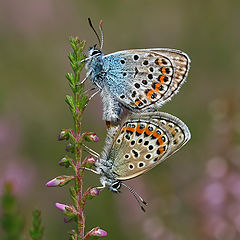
(145, 78)
(144, 141)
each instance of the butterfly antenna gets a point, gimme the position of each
(137, 197)
(101, 31)
(90, 23)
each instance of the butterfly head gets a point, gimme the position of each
(93, 51)
(113, 184)
(94, 63)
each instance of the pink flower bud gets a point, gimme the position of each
(65, 161)
(64, 135)
(59, 181)
(98, 232)
(94, 192)
(70, 148)
(91, 160)
(91, 137)
(62, 207)
(53, 183)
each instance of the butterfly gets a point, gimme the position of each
(138, 79)
(141, 143)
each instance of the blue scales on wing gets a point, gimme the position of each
(144, 79)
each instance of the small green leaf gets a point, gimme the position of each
(73, 235)
(83, 101)
(71, 81)
(69, 100)
(73, 194)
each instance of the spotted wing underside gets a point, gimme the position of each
(144, 141)
(150, 76)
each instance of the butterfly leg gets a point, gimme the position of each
(90, 170)
(87, 75)
(102, 187)
(92, 152)
(94, 94)
(89, 90)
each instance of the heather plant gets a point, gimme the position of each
(12, 221)
(36, 231)
(75, 140)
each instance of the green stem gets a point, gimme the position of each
(79, 176)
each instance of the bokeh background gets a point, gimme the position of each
(193, 195)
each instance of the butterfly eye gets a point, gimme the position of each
(115, 186)
(95, 52)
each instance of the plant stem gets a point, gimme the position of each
(77, 104)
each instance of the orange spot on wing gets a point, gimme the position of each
(139, 130)
(163, 70)
(123, 129)
(155, 134)
(131, 129)
(159, 62)
(149, 94)
(157, 85)
(161, 78)
(161, 150)
(137, 102)
(160, 141)
(148, 132)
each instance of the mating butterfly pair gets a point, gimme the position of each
(141, 80)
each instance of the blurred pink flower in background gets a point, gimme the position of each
(19, 174)
(218, 194)
(27, 19)
(14, 169)
(150, 225)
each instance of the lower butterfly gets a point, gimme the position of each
(140, 144)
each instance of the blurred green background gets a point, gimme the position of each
(193, 195)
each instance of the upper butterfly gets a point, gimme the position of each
(140, 79)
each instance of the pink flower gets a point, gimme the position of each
(64, 135)
(98, 232)
(65, 161)
(94, 191)
(90, 160)
(91, 137)
(62, 207)
(59, 181)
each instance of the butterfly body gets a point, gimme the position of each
(141, 143)
(139, 79)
